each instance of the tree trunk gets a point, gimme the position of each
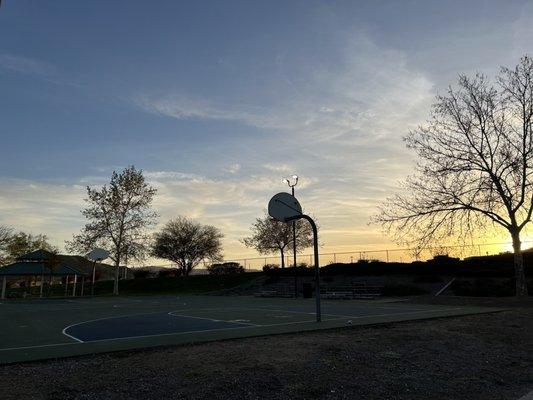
(117, 275)
(282, 258)
(520, 276)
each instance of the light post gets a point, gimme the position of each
(292, 185)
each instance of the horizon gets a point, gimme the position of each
(216, 103)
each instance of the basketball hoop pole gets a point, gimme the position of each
(317, 267)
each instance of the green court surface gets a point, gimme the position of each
(41, 329)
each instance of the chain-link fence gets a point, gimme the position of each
(387, 255)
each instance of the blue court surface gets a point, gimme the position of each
(41, 329)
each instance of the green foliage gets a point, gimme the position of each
(13, 246)
(187, 243)
(141, 273)
(268, 268)
(117, 217)
(226, 268)
(169, 273)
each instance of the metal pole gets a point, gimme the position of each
(4, 286)
(42, 283)
(74, 286)
(294, 254)
(317, 266)
(94, 275)
(66, 286)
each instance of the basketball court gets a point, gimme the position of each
(41, 329)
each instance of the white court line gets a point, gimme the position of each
(208, 330)
(38, 346)
(251, 326)
(358, 316)
(172, 313)
(340, 316)
(126, 316)
(70, 336)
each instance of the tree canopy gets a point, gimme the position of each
(271, 236)
(118, 216)
(14, 245)
(187, 243)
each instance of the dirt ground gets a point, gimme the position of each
(475, 357)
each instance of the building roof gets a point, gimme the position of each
(22, 268)
(37, 255)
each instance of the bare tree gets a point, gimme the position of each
(476, 165)
(187, 243)
(270, 236)
(118, 216)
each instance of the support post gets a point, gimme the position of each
(4, 286)
(294, 253)
(317, 265)
(94, 275)
(66, 286)
(82, 285)
(42, 285)
(74, 286)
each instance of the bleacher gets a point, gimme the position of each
(349, 292)
(336, 292)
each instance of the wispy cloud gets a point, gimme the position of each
(25, 65)
(34, 68)
(285, 168)
(371, 93)
(233, 168)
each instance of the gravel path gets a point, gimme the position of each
(476, 357)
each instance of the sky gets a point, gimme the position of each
(216, 101)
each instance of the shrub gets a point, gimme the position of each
(169, 273)
(141, 273)
(225, 268)
(270, 268)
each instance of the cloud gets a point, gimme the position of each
(37, 207)
(369, 94)
(26, 65)
(285, 168)
(233, 168)
(339, 123)
(35, 68)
